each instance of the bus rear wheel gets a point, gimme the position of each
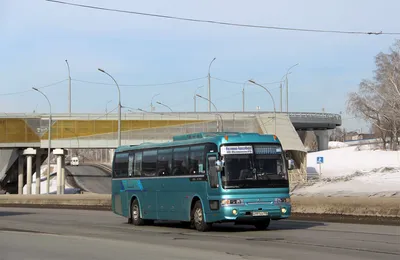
(262, 225)
(135, 217)
(198, 218)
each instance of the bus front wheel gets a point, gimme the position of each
(198, 218)
(262, 225)
(136, 219)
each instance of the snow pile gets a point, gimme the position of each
(334, 145)
(353, 171)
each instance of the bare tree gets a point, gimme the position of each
(337, 135)
(378, 101)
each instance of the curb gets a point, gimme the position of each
(340, 206)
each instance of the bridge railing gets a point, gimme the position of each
(316, 115)
(93, 116)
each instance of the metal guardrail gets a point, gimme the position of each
(316, 115)
(188, 115)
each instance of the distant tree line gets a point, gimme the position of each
(378, 100)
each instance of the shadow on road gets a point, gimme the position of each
(230, 227)
(11, 213)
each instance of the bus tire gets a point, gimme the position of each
(262, 225)
(198, 218)
(136, 219)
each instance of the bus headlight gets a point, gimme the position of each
(283, 210)
(282, 200)
(232, 202)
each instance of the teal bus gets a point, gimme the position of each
(203, 178)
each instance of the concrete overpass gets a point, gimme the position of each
(24, 137)
(99, 131)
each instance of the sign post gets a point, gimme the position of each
(320, 161)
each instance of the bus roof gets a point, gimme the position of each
(206, 137)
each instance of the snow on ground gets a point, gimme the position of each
(353, 171)
(334, 145)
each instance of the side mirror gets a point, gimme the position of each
(218, 165)
(290, 164)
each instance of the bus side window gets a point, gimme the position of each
(137, 166)
(149, 163)
(130, 164)
(180, 162)
(196, 160)
(121, 165)
(164, 162)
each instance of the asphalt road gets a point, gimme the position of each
(78, 234)
(91, 179)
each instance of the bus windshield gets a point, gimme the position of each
(262, 168)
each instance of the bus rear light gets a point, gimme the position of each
(214, 204)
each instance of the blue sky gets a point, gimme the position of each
(37, 36)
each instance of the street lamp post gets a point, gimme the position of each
(151, 103)
(49, 143)
(273, 101)
(287, 87)
(281, 91)
(164, 105)
(222, 122)
(119, 106)
(209, 86)
(69, 88)
(194, 97)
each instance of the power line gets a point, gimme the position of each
(106, 114)
(241, 83)
(29, 90)
(223, 23)
(139, 85)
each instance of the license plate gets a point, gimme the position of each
(259, 213)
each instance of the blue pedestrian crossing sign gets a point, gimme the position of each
(320, 160)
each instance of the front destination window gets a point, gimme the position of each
(254, 166)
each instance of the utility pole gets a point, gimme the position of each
(287, 87)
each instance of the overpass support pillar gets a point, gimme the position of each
(29, 153)
(38, 170)
(60, 153)
(302, 135)
(63, 175)
(21, 174)
(322, 139)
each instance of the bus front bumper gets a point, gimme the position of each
(250, 213)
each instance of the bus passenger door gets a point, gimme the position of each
(213, 179)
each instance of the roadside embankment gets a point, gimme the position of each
(378, 210)
(352, 206)
(72, 201)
